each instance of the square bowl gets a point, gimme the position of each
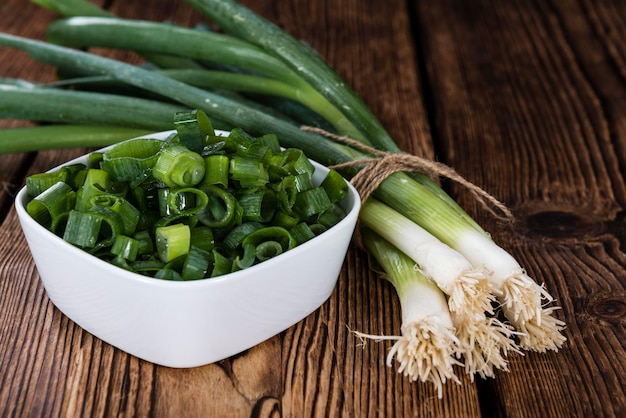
(189, 324)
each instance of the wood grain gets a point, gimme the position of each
(511, 79)
(524, 98)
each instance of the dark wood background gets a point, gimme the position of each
(526, 98)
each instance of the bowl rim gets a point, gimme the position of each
(25, 218)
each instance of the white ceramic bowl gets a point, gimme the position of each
(188, 324)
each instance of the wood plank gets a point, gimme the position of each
(536, 88)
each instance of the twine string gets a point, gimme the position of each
(376, 169)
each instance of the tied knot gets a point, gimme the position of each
(383, 164)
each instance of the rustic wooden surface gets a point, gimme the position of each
(525, 98)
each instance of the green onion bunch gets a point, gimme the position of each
(254, 76)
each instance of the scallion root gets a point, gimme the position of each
(425, 351)
(484, 343)
(470, 294)
(524, 303)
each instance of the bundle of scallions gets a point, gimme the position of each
(452, 279)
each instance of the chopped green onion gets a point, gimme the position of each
(196, 264)
(302, 232)
(287, 192)
(203, 238)
(270, 141)
(302, 182)
(216, 170)
(177, 166)
(331, 216)
(297, 162)
(128, 213)
(312, 202)
(51, 207)
(317, 229)
(258, 206)
(335, 186)
(193, 128)
(268, 249)
(132, 160)
(236, 235)
(164, 207)
(111, 225)
(270, 233)
(147, 267)
(220, 211)
(96, 184)
(249, 172)
(168, 274)
(189, 220)
(145, 244)
(221, 264)
(245, 260)
(286, 220)
(172, 241)
(187, 200)
(139, 212)
(72, 175)
(82, 229)
(125, 247)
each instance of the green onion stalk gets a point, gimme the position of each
(275, 64)
(427, 348)
(482, 339)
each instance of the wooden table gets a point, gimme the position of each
(527, 99)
